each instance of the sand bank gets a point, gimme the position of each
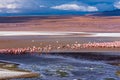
(9, 74)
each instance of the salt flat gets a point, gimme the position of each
(57, 33)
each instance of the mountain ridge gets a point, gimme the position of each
(115, 12)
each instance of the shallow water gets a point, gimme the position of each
(68, 66)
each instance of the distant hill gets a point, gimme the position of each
(46, 13)
(106, 13)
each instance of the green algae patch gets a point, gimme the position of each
(62, 73)
(109, 79)
(118, 73)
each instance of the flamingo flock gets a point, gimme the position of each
(49, 48)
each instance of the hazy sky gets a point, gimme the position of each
(21, 6)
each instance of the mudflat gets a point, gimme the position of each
(61, 23)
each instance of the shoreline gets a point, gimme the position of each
(9, 70)
(8, 74)
(67, 42)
